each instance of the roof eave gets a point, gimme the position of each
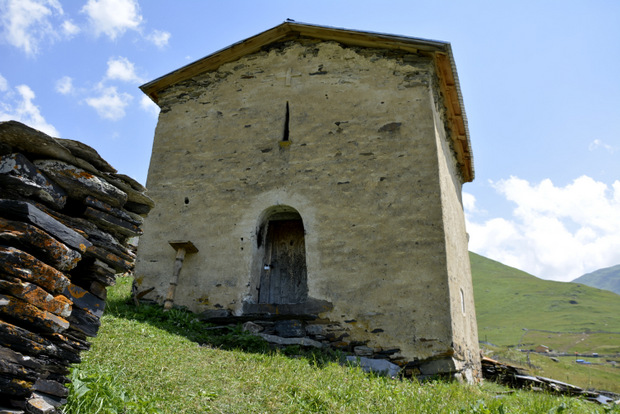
(440, 51)
(284, 31)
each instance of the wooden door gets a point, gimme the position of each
(283, 278)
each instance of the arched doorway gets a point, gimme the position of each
(283, 274)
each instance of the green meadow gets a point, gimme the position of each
(145, 360)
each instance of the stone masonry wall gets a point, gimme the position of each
(346, 137)
(66, 218)
(460, 296)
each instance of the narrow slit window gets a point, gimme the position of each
(286, 120)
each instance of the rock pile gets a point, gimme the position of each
(516, 377)
(66, 219)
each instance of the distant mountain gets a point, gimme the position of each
(509, 300)
(607, 278)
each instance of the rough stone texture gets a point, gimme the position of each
(274, 339)
(88, 153)
(31, 315)
(363, 351)
(37, 242)
(252, 327)
(289, 328)
(63, 237)
(354, 141)
(18, 173)
(27, 140)
(137, 200)
(18, 264)
(36, 296)
(27, 212)
(80, 184)
(378, 366)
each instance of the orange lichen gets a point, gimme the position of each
(76, 291)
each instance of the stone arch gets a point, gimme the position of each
(279, 265)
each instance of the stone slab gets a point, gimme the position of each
(289, 328)
(16, 263)
(18, 172)
(377, 366)
(83, 299)
(133, 183)
(50, 387)
(116, 212)
(100, 272)
(437, 366)
(27, 212)
(137, 200)
(34, 295)
(15, 369)
(115, 262)
(84, 322)
(29, 140)
(31, 315)
(15, 387)
(80, 184)
(112, 223)
(95, 235)
(86, 152)
(37, 242)
(274, 339)
(22, 340)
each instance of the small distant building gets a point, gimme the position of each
(318, 172)
(542, 349)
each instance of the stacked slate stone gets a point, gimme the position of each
(66, 222)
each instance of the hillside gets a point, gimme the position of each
(607, 278)
(227, 372)
(509, 300)
(145, 360)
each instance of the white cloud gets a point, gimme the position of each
(64, 85)
(122, 69)
(555, 232)
(69, 28)
(20, 107)
(107, 99)
(159, 38)
(27, 23)
(110, 104)
(469, 202)
(597, 143)
(4, 85)
(113, 17)
(149, 106)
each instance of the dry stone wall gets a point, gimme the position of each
(66, 221)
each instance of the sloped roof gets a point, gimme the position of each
(441, 52)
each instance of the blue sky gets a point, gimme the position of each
(539, 81)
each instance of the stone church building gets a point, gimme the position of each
(314, 176)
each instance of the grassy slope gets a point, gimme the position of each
(508, 300)
(145, 361)
(607, 278)
(597, 375)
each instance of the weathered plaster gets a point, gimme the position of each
(368, 167)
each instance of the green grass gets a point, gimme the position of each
(147, 361)
(598, 375)
(607, 278)
(509, 301)
(516, 309)
(580, 342)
